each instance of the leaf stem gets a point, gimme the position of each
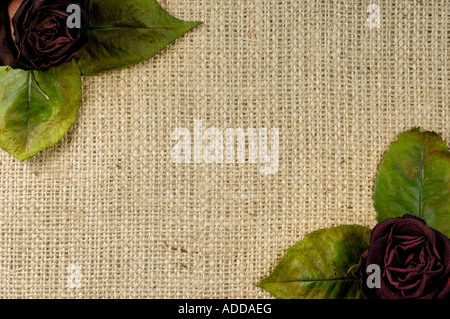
(350, 271)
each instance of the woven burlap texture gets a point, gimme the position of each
(108, 205)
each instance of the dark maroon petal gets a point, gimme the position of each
(412, 227)
(406, 254)
(445, 291)
(417, 291)
(382, 229)
(404, 284)
(387, 291)
(7, 47)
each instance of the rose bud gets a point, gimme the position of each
(37, 35)
(414, 261)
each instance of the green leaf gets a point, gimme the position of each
(126, 32)
(37, 108)
(320, 266)
(414, 178)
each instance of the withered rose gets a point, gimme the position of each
(36, 35)
(414, 260)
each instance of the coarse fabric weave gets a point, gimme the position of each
(109, 206)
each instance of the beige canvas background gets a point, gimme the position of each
(109, 200)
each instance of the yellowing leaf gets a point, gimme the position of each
(37, 108)
(319, 266)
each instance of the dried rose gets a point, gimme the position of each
(414, 261)
(38, 34)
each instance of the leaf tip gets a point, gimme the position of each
(261, 283)
(194, 24)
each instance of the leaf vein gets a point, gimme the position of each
(104, 28)
(28, 107)
(312, 280)
(421, 179)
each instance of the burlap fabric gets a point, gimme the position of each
(108, 204)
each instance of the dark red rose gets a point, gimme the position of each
(36, 35)
(414, 261)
